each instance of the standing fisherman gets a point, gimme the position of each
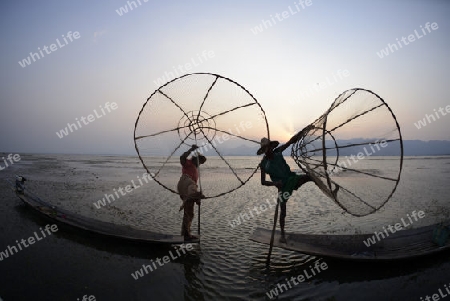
(188, 189)
(274, 164)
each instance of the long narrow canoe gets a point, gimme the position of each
(96, 226)
(404, 244)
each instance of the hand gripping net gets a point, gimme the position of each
(355, 146)
(218, 115)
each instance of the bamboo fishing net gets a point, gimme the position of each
(354, 152)
(217, 114)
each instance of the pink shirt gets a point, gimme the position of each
(190, 169)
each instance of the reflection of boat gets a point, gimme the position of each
(403, 244)
(93, 225)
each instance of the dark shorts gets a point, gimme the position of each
(294, 182)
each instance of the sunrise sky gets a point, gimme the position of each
(295, 57)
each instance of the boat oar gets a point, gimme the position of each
(273, 232)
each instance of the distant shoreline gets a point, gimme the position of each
(411, 148)
(136, 156)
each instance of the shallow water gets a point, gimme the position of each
(226, 265)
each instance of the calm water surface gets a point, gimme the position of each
(226, 265)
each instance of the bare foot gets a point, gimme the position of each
(190, 237)
(335, 191)
(283, 239)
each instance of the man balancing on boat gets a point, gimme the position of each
(274, 164)
(188, 189)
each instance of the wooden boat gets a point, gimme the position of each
(93, 225)
(404, 244)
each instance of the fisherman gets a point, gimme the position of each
(188, 189)
(274, 164)
(20, 184)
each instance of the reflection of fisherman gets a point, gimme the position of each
(188, 189)
(20, 184)
(274, 164)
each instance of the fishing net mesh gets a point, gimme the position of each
(218, 115)
(344, 148)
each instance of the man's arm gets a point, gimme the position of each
(264, 182)
(294, 138)
(184, 156)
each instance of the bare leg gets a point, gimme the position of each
(191, 217)
(282, 220)
(302, 180)
(335, 191)
(188, 216)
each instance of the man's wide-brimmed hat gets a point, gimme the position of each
(201, 158)
(265, 144)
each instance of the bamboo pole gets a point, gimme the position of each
(200, 185)
(275, 218)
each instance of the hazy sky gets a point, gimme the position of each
(119, 58)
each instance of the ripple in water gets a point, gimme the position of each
(227, 265)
